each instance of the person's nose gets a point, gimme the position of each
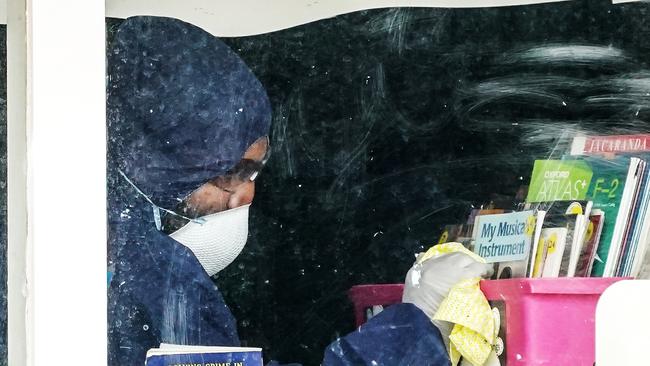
(242, 195)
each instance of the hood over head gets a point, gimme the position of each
(182, 107)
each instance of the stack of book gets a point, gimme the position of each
(620, 188)
(586, 214)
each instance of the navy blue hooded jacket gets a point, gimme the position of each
(182, 108)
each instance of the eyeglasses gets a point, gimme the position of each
(247, 170)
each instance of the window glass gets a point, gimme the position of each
(384, 127)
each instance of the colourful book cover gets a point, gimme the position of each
(614, 144)
(591, 241)
(620, 146)
(601, 180)
(548, 212)
(555, 241)
(560, 232)
(613, 191)
(542, 250)
(559, 180)
(172, 355)
(606, 192)
(504, 237)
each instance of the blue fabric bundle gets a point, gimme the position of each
(400, 335)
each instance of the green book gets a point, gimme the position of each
(606, 192)
(559, 180)
(589, 178)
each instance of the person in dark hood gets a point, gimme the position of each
(187, 124)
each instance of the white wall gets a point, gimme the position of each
(248, 17)
(16, 182)
(622, 323)
(66, 170)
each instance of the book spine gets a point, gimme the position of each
(639, 226)
(630, 229)
(622, 217)
(637, 253)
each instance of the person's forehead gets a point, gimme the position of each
(257, 151)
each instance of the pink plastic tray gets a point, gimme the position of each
(549, 321)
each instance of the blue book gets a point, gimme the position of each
(178, 355)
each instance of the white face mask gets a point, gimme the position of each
(216, 239)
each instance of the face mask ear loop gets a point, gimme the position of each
(156, 208)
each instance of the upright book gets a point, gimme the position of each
(636, 225)
(590, 244)
(612, 191)
(623, 247)
(554, 243)
(505, 239)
